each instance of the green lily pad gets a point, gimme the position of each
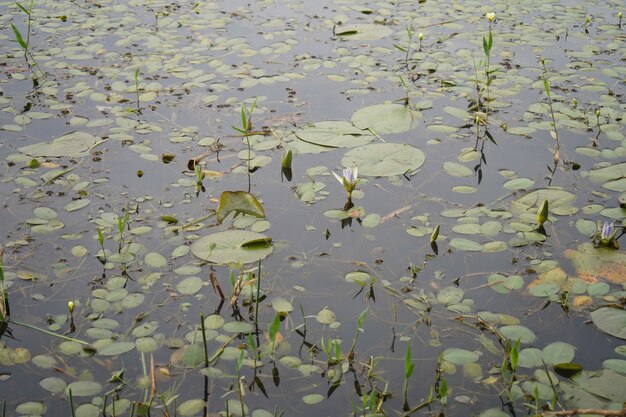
(558, 352)
(311, 399)
(72, 144)
(465, 244)
(281, 305)
(83, 388)
(363, 31)
(460, 356)
(457, 170)
(325, 316)
(116, 348)
(53, 384)
(232, 246)
(189, 286)
(384, 159)
(386, 118)
(190, 407)
(31, 408)
(555, 196)
(239, 202)
(515, 332)
(610, 320)
(593, 264)
(334, 134)
(605, 384)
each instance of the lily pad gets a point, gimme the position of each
(460, 356)
(71, 144)
(593, 264)
(83, 388)
(116, 348)
(363, 31)
(232, 246)
(384, 159)
(386, 118)
(610, 320)
(190, 407)
(334, 134)
(239, 202)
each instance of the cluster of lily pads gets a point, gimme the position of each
(218, 269)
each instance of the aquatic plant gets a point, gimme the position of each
(542, 213)
(555, 132)
(595, 140)
(25, 43)
(70, 309)
(409, 366)
(199, 179)
(487, 46)
(606, 235)
(407, 49)
(349, 179)
(246, 127)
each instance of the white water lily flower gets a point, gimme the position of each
(349, 180)
(490, 16)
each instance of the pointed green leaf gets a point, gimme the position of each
(239, 202)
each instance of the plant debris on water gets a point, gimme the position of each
(174, 240)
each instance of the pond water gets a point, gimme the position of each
(464, 271)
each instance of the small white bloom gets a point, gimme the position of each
(349, 180)
(490, 16)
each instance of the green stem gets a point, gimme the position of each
(60, 336)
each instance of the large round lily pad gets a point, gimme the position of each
(71, 144)
(386, 118)
(334, 134)
(232, 246)
(384, 159)
(556, 197)
(610, 320)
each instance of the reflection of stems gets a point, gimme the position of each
(206, 353)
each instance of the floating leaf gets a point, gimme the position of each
(325, 316)
(457, 170)
(72, 144)
(386, 118)
(567, 370)
(334, 134)
(465, 244)
(513, 333)
(610, 320)
(280, 305)
(116, 348)
(189, 286)
(594, 264)
(384, 159)
(232, 246)
(460, 356)
(83, 388)
(239, 202)
(191, 407)
(53, 384)
(364, 31)
(311, 399)
(558, 352)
